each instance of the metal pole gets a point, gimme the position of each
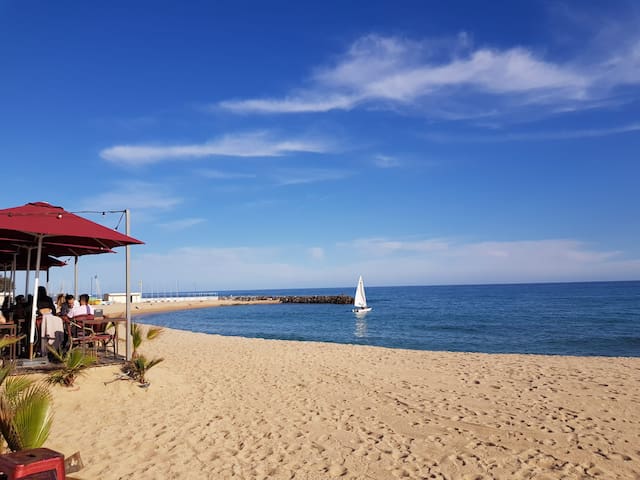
(75, 278)
(34, 305)
(13, 274)
(26, 275)
(128, 290)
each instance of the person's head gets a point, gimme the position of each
(19, 299)
(60, 299)
(84, 299)
(42, 291)
(70, 299)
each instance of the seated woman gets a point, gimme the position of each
(51, 328)
(45, 302)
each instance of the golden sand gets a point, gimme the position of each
(227, 407)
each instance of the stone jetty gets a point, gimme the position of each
(336, 299)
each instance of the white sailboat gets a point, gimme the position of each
(360, 302)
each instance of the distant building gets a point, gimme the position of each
(122, 297)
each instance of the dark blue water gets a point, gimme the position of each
(569, 318)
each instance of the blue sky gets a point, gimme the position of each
(284, 144)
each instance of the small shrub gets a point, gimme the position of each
(74, 363)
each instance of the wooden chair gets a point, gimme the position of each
(82, 333)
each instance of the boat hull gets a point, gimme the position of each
(362, 309)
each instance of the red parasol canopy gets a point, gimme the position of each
(43, 225)
(46, 262)
(54, 249)
(26, 223)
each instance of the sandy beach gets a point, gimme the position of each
(228, 407)
(118, 309)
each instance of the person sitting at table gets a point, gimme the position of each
(67, 306)
(59, 301)
(51, 328)
(6, 306)
(82, 309)
(45, 302)
(18, 308)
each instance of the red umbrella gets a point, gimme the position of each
(39, 224)
(54, 249)
(46, 262)
(28, 222)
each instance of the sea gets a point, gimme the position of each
(583, 319)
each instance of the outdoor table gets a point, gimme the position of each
(105, 321)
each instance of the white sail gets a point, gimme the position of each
(360, 300)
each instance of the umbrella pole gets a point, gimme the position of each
(26, 275)
(14, 265)
(129, 340)
(34, 306)
(75, 277)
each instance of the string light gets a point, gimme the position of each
(60, 215)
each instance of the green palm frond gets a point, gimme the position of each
(154, 332)
(33, 417)
(15, 386)
(154, 362)
(138, 335)
(5, 371)
(139, 366)
(7, 428)
(74, 363)
(6, 341)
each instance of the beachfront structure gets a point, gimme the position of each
(136, 297)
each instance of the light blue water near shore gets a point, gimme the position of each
(600, 318)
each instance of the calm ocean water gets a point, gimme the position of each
(600, 318)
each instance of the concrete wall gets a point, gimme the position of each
(122, 297)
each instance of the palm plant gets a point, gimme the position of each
(74, 363)
(25, 411)
(138, 335)
(138, 367)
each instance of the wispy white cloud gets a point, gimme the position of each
(386, 161)
(221, 175)
(293, 104)
(388, 262)
(181, 224)
(308, 175)
(516, 137)
(424, 74)
(384, 246)
(254, 144)
(134, 196)
(441, 261)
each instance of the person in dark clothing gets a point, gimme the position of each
(6, 307)
(19, 308)
(68, 305)
(45, 302)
